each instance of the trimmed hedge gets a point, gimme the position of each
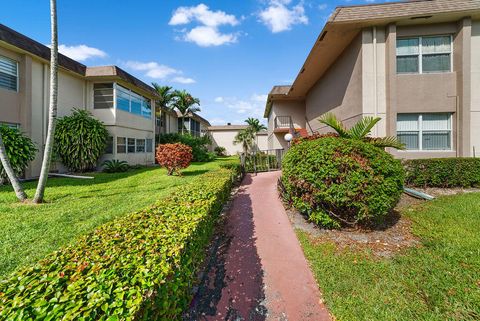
(139, 267)
(443, 172)
(338, 181)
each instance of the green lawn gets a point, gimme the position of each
(75, 207)
(440, 280)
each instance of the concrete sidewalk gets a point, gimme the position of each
(257, 269)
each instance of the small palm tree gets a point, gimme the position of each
(164, 100)
(185, 104)
(255, 126)
(245, 137)
(360, 131)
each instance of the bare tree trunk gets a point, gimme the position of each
(52, 111)
(10, 173)
(183, 123)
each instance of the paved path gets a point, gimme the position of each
(257, 270)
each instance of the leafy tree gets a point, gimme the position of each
(360, 131)
(16, 152)
(174, 157)
(185, 103)
(165, 98)
(80, 140)
(52, 110)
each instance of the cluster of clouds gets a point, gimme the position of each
(206, 28)
(206, 31)
(242, 108)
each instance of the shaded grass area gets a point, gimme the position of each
(75, 207)
(439, 280)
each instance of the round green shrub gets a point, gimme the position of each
(80, 140)
(20, 150)
(337, 181)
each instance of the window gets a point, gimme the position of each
(133, 103)
(121, 145)
(109, 147)
(11, 125)
(149, 147)
(140, 146)
(131, 145)
(425, 131)
(424, 54)
(102, 96)
(8, 74)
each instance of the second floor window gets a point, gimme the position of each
(424, 54)
(133, 103)
(8, 74)
(103, 96)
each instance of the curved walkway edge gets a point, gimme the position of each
(260, 272)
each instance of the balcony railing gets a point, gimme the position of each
(283, 122)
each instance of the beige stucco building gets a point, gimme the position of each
(224, 136)
(414, 64)
(121, 101)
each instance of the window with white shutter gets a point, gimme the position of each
(8, 74)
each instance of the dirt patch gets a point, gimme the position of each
(393, 236)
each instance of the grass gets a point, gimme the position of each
(75, 207)
(439, 280)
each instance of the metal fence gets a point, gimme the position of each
(263, 161)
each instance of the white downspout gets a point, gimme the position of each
(375, 76)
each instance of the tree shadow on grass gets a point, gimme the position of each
(231, 286)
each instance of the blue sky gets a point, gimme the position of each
(227, 53)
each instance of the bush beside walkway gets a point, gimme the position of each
(140, 266)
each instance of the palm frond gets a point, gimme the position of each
(331, 121)
(363, 127)
(384, 142)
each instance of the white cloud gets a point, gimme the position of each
(152, 69)
(206, 33)
(81, 52)
(209, 36)
(279, 16)
(158, 71)
(253, 106)
(202, 14)
(183, 80)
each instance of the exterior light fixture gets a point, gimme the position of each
(288, 137)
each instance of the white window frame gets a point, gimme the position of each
(420, 131)
(17, 76)
(116, 145)
(134, 145)
(420, 55)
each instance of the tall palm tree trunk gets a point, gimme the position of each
(10, 173)
(52, 111)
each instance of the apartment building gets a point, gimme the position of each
(415, 64)
(224, 136)
(121, 101)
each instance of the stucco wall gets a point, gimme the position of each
(475, 88)
(10, 100)
(339, 90)
(294, 109)
(225, 138)
(131, 158)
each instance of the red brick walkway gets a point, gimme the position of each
(258, 270)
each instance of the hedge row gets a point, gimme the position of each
(140, 267)
(443, 172)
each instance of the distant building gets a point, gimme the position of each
(224, 136)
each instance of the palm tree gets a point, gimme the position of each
(164, 100)
(255, 125)
(52, 110)
(360, 131)
(245, 137)
(185, 104)
(10, 173)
